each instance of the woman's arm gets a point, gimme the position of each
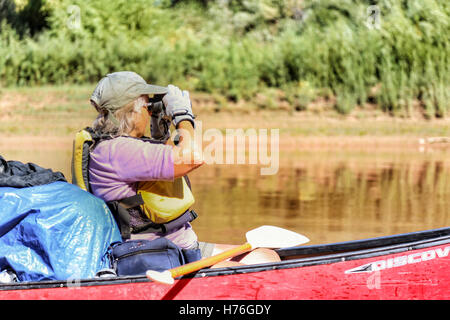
(186, 154)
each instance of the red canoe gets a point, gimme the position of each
(406, 266)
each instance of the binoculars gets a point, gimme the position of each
(155, 104)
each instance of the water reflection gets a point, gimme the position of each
(328, 196)
(328, 200)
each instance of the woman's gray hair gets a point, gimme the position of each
(104, 125)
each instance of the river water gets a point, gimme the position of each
(327, 195)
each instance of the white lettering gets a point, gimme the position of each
(196, 310)
(274, 151)
(379, 265)
(412, 257)
(233, 309)
(240, 136)
(442, 253)
(374, 280)
(402, 260)
(215, 147)
(235, 144)
(428, 255)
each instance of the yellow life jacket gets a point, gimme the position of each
(162, 201)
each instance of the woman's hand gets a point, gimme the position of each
(178, 105)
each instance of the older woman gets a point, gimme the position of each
(119, 163)
(124, 159)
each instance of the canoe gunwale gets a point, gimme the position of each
(327, 254)
(364, 243)
(324, 259)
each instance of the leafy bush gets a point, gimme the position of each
(238, 47)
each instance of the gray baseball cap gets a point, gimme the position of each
(117, 89)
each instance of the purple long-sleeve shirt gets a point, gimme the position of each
(117, 165)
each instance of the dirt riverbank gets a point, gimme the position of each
(48, 117)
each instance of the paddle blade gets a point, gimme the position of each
(164, 277)
(274, 237)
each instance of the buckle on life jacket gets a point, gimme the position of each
(120, 210)
(167, 227)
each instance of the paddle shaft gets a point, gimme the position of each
(206, 262)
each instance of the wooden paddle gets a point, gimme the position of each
(262, 237)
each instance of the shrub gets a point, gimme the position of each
(236, 47)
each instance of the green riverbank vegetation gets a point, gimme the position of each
(391, 55)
